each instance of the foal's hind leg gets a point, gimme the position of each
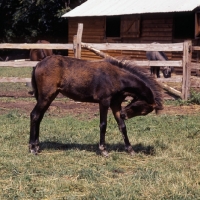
(36, 117)
(116, 108)
(103, 125)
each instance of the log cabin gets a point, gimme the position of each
(136, 21)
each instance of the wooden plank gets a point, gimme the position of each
(35, 46)
(157, 21)
(100, 46)
(177, 79)
(196, 48)
(139, 63)
(145, 26)
(162, 29)
(140, 47)
(157, 39)
(14, 80)
(157, 34)
(18, 64)
(195, 65)
(158, 63)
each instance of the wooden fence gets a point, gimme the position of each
(185, 47)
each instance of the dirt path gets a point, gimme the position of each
(62, 106)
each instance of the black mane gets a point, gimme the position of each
(143, 75)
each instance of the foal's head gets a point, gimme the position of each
(136, 108)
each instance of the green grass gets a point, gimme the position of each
(24, 72)
(166, 165)
(14, 72)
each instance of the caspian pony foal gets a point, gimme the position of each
(106, 82)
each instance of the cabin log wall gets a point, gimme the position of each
(153, 28)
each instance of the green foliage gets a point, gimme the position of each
(194, 97)
(25, 20)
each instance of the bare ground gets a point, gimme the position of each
(62, 106)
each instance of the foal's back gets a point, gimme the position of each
(78, 79)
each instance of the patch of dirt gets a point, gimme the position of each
(62, 106)
(57, 108)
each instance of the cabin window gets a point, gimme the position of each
(113, 26)
(184, 25)
(197, 24)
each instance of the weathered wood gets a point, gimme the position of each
(156, 34)
(196, 48)
(138, 47)
(18, 64)
(176, 79)
(159, 63)
(195, 65)
(14, 80)
(139, 63)
(79, 40)
(170, 89)
(75, 46)
(187, 53)
(35, 46)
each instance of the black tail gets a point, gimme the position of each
(34, 84)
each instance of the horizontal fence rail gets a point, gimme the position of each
(139, 63)
(35, 46)
(18, 63)
(138, 47)
(103, 46)
(14, 80)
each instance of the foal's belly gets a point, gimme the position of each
(80, 97)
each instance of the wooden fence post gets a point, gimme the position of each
(187, 53)
(75, 46)
(79, 40)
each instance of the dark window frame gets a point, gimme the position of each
(184, 25)
(113, 26)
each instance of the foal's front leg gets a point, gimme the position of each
(122, 127)
(103, 125)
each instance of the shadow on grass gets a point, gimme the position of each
(138, 148)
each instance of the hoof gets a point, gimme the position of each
(34, 149)
(130, 150)
(104, 153)
(132, 153)
(33, 152)
(103, 150)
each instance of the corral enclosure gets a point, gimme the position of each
(125, 30)
(77, 46)
(166, 164)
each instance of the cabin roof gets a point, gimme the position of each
(127, 7)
